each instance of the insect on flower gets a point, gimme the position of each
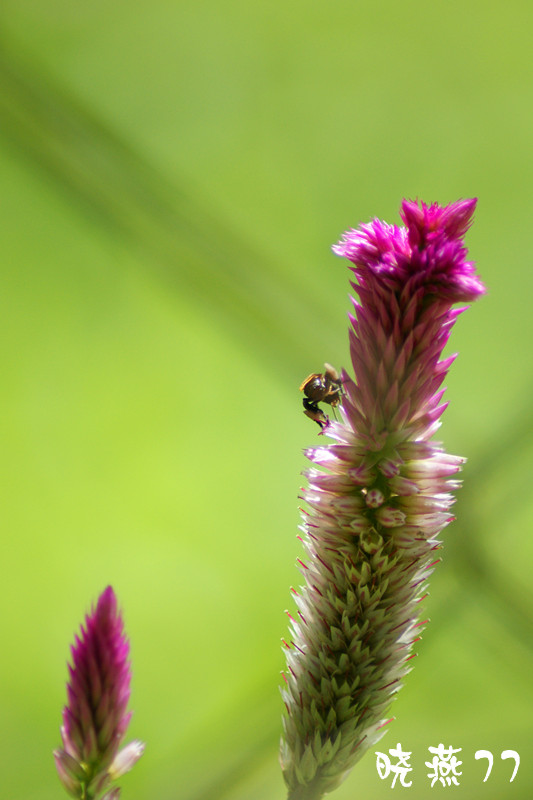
(321, 388)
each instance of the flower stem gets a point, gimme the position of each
(311, 791)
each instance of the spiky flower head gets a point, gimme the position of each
(95, 718)
(378, 496)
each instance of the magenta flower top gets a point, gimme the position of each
(407, 280)
(95, 718)
(378, 496)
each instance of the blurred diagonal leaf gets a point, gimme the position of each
(511, 446)
(191, 248)
(238, 741)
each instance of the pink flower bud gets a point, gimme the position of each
(95, 718)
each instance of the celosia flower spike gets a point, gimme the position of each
(95, 718)
(378, 497)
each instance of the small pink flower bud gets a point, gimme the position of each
(95, 718)
(374, 498)
(126, 759)
(390, 517)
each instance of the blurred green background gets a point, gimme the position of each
(173, 175)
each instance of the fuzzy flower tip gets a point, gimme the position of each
(95, 718)
(378, 496)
